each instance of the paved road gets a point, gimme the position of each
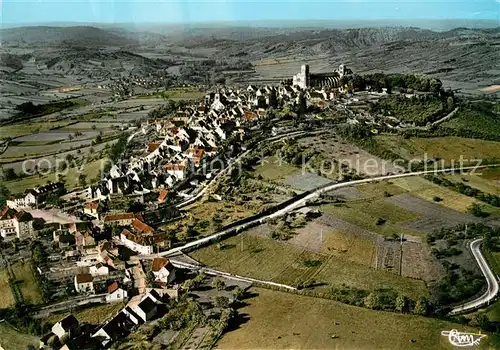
(70, 304)
(491, 292)
(300, 202)
(445, 118)
(213, 272)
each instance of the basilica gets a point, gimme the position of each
(304, 79)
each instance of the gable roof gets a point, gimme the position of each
(92, 205)
(118, 326)
(84, 278)
(159, 263)
(68, 322)
(163, 194)
(7, 213)
(112, 287)
(147, 304)
(23, 216)
(153, 147)
(122, 216)
(140, 226)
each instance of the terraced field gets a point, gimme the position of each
(266, 259)
(444, 148)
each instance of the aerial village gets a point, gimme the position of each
(92, 249)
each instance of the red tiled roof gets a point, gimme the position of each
(122, 216)
(174, 166)
(83, 278)
(112, 287)
(142, 240)
(7, 213)
(153, 147)
(23, 216)
(140, 226)
(162, 196)
(250, 115)
(92, 205)
(159, 263)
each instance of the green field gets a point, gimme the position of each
(19, 129)
(278, 320)
(24, 281)
(175, 93)
(10, 339)
(270, 169)
(492, 174)
(427, 190)
(6, 298)
(482, 183)
(365, 213)
(267, 259)
(94, 315)
(379, 189)
(446, 148)
(476, 120)
(91, 170)
(348, 247)
(27, 283)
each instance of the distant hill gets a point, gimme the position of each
(65, 36)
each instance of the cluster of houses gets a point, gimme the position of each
(187, 137)
(36, 196)
(69, 334)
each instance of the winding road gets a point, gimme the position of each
(491, 292)
(300, 202)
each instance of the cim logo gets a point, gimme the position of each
(457, 338)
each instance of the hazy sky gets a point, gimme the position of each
(185, 11)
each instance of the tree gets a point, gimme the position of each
(480, 320)
(401, 303)
(218, 284)
(238, 293)
(372, 301)
(477, 211)
(64, 339)
(82, 179)
(221, 301)
(422, 306)
(9, 174)
(4, 194)
(450, 103)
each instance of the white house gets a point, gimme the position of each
(115, 293)
(65, 327)
(136, 243)
(131, 315)
(117, 328)
(84, 283)
(146, 309)
(163, 270)
(99, 270)
(15, 223)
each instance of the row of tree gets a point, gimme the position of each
(383, 299)
(378, 81)
(467, 190)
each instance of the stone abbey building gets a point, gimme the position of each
(305, 79)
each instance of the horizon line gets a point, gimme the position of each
(244, 23)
